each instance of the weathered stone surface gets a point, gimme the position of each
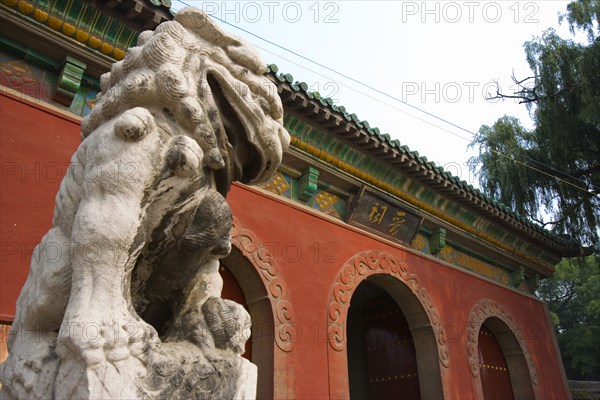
(131, 306)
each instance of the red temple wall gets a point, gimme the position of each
(36, 144)
(282, 225)
(309, 249)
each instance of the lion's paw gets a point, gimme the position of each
(111, 341)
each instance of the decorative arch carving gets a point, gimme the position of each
(360, 267)
(480, 312)
(283, 314)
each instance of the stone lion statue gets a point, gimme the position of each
(131, 306)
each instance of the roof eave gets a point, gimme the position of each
(357, 134)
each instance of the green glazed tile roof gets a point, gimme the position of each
(328, 103)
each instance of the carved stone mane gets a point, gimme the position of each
(132, 308)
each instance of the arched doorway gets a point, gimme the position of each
(393, 276)
(233, 291)
(499, 359)
(382, 361)
(274, 330)
(516, 380)
(495, 378)
(242, 284)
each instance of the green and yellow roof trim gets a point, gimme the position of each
(428, 181)
(81, 21)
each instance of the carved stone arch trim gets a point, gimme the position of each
(483, 310)
(283, 314)
(360, 267)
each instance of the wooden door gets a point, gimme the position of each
(391, 356)
(495, 379)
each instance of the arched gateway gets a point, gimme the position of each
(266, 297)
(382, 359)
(382, 277)
(498, 354)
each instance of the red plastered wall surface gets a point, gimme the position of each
(36, 144)
(310, 250)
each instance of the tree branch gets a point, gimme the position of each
(525, 94)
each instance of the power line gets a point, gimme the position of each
(544, 173)
(346, 76)
(366, 95)
(423, 120)
(402, 102)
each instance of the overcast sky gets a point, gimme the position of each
(440, 56)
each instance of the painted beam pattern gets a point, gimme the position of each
(81, 21)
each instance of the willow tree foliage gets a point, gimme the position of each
(552, 173)
(572, 295)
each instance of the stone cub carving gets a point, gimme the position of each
(131, 306)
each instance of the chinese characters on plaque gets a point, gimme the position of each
(383, 216)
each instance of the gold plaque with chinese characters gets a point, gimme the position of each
(384, 216)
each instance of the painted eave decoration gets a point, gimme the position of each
(109, 27)
(348, 128)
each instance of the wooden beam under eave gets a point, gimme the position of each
(381, 149)
(434, 178)
(288, 105)
(423, 172)
(321, 116)
(296, 102)
(331, 120)
(341, 129)
(350, 133)
(135, 11)
(112, 3)
(312, 109)
(368, 143)
(337, 123)
(447, 185)
(456, 195)
(354, 136)
(413, 167)
(300, 106)
(327, 119)
(285, 92)
(388, 154)
(153, 22)
(399, 158)
(437, 183)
